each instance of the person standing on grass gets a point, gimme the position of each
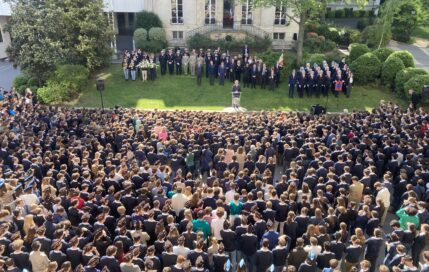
(236, 92)
(211, 71)
(192, 62)
(199, 72)
(222, 73)
(292, 82)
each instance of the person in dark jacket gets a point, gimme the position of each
(298, 255)
(222, 73)
(373, 248)
(263, 257)
(211, 71)
(109, 261)
(249, 243)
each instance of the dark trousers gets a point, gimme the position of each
(246, 83)
(291, 90)
(171, 69)
(199, 78)
(212, 79)
(222, 80)
(238, 76)
(178, 69)
(263, 83)
(300, 91)
(272, 85)
(163, 69)
(253, 82)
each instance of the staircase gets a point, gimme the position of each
(248, 29)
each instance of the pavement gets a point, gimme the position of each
(7, 74)
(420, 53)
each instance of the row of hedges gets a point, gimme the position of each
(66, 83)
(152, 41)
(395, 69)
(341, 36)
(349, 13)
(229, 43)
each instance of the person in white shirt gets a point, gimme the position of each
(180, 249)
(313, 247)
(39, 260)
(383, 194)
(217, 224)
(178, 201)
(229, 195)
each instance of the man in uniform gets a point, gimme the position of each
(192, 62)
(178, 61)
(221, 73)
(199, 71)
(170, 62)
(163, 62)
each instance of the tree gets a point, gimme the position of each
(406, 18)
(35, 45)
(50, 32)
(300, 12)
(147, 20)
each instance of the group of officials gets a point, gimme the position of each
(244, 68)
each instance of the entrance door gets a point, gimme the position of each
(228, 13)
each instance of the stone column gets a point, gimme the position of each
(237, 13)
(219, 12)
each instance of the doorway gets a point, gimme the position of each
(228, 13)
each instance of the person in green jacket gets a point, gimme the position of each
(408, 215)
(202, 225)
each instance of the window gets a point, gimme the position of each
(177, 35)
(279, 36)
(280, 15)
(246, 11)
(177, 11)
(210, 12)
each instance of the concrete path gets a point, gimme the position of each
(7, 74)
(420, 53)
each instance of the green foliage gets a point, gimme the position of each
(366, 68)
(407, 17)
(330, 14)
(357, 50)
(383, 53)
(340, 13)
(362, 23)
(140, 37)
(348, 12)
(204, 41)
(334, 55)
(271, 57)
(389, 69)
(372, 35)
(147, 20)
(416, 83)
(20, 83)
(344, 36)
(348, 36)
(65, 84)
(316, 58)
(404, 75)
(319, 45)
(405, 56)
(157, 34)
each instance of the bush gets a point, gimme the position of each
(199, 41)
(371, 35)
(366, 68)
(340, 13)
(153, 46)
(389, 69)
(404, 75)
(147, 20)
(157, 34)
(73, 76)
(270, 57)
(356, 13)
(362, 13)
(204, 41)
(416, 83)
(348, 36)
(357, 50)
(319, 45)
(312, 35)
(334, 55)
(20, 83)
(383, 53)
(140, 37)
(348, 12)
(316, 58)
(330, 14)
(405, 56)
(362, 23)
(55, 93)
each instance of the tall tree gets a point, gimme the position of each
(301, 11)
(49, 32)
(35, 45)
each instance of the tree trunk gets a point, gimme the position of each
(301, 31)
(323, 12)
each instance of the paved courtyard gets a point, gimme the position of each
(7, 74)
(420, 53)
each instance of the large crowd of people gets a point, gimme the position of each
(249, 70)
(128, 190)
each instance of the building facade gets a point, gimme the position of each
(5, 13)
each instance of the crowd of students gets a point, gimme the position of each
(128, 190)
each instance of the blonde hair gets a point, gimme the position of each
(28, 223)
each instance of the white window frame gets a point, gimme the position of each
(278, 34)
(211, 20)
(177, 33)
(282, 10)
(245, 20)
(176, 19)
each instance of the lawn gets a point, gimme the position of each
(421, 32)
(181, 92)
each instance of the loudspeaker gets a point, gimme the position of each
(317, 109)
(100, 85)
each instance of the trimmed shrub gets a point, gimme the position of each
(147, 20)
(366, 68)
(348, 36)
(334, 55)
(316, 58)
(55, 93)
(357, 50)
(404, 75)
(416, 83)
(330, 14)
(140, 37)
(356, 14)
(157, 34)
(204, 41)
(319, 45)
(383, 53)
(23, 82)
(405, 56)
(362, 23)
(348, 12)
(340, 13)
(389, 69)
(311, 35)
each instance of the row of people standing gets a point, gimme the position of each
(319, 80)
(136, 63)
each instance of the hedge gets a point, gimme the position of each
(319, 44)
(416, 83)
(383, 53)
(204, 41)
(157, 34)
(366, 68)
(55, 92)
(404, 75)
(316, 58)
(357, 50)
(405, 56)
(389, 70)
(140, 37)
(334, 55)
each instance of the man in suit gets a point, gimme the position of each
(178, 62)
(199, 72)
(170, 62)
(211, 72)
(254, 76)
(374, 246)
(245, 52)
(185, 62)
(192, 62)
(163, 62)
(222, 73)
(292, 82)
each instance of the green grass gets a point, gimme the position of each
(421, 32)
(181, 92)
